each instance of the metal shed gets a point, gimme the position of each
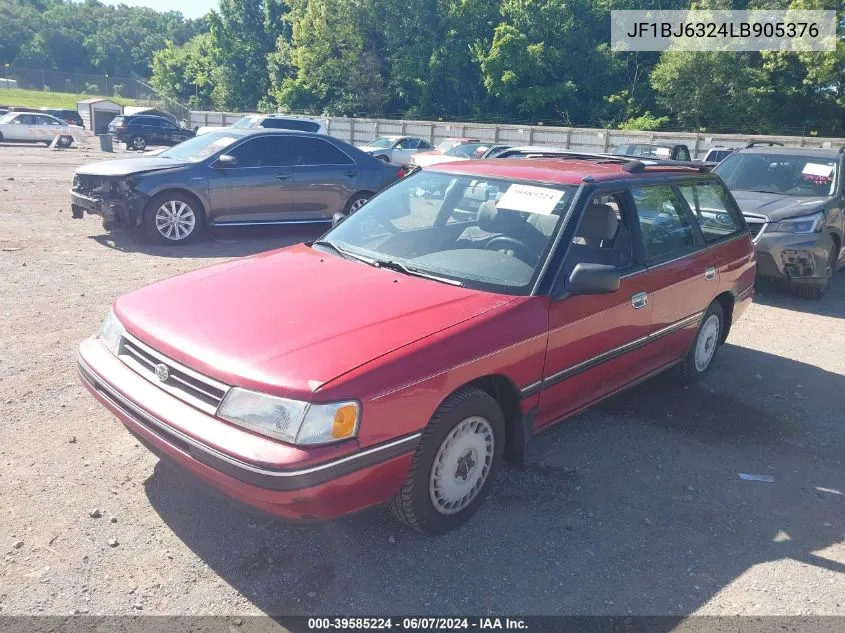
(97, 113)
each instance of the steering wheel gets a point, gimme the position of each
(518, 248)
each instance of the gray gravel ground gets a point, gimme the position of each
(634, 507)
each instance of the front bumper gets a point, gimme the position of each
(797, 258)
(113, 211)
(281, 480)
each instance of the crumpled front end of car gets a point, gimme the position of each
(114, 198)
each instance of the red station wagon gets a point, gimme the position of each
(429, 335)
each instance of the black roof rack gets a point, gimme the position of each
(639, 166)
(765, 143)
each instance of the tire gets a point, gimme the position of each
(356, 202)
(702, 352)
(64, 141)
(173, 218)
(458, 438)
(138, 142)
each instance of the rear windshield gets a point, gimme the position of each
(118, 120)
(291, 124)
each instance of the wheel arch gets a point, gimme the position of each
(726, 301)
(503, 390)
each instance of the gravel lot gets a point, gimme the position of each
(634, 507)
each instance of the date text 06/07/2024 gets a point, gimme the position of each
(417, 624)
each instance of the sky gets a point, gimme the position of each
(189, 8)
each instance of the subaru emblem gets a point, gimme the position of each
(162, 373)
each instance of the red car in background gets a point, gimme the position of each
(420, 342)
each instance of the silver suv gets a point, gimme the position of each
(272, 122)
(792, 200)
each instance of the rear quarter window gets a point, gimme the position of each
(715, 212)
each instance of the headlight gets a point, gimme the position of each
(291, 421)
(805, 224)
(111, 332)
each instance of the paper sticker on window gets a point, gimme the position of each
(663, 152)
(816, 169)
(530, 199)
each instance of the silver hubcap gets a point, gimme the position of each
(708, 340)
(175, 220)
(461, 465)
(357, 204)
(139, 143)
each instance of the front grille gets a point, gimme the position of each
(755, 227)
(192, 387)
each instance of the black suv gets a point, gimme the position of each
(140, 130)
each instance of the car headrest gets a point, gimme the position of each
(494, 220)
(599, 223)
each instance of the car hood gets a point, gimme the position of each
(775, 206)
(369, 148)
(289, 321)
(426, 159)
(128, 166)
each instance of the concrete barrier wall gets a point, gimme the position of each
(359, 131)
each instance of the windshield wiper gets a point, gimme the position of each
(399, 267)
(340, 251)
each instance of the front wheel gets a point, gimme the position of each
(64, 141)
(172, 218)
(454, 466)
(707, 340)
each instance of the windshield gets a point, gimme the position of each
(200, 147)
(486, 233)
(785, 174)
(469, 150)
(244, 124)
(445, 146)
(382, 142)
(7, 117)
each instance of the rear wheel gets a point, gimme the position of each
(173, 218)
(138, 142)
(356, 202)
(703, 350)
(454, 466)
(64, 141)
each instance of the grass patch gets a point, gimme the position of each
(38, 99)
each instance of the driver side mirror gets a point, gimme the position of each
(337, 218)
(594, 279)
(226, 160)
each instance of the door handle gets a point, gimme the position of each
(639, 300)
(710, 274)
(351, 174)
(284, 176)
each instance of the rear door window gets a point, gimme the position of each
(666, 229)
(316, 151)
(717, 215)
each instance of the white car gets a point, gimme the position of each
(37, 128)
(464, 151)
(273, 122)
(396, 149)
